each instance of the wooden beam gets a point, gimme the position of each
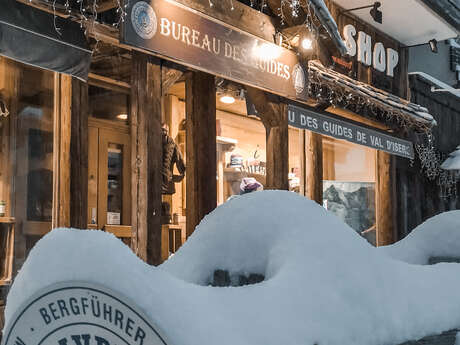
(147, 157)
(273, 114)
(61, 150)
(79, 154)
(314, 166)
(201, 162)
(109, 83)
(385, 199)
(106, 5)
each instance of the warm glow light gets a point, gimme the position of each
(267, 51)
(122, 116)
(307, 44)
(227, 99)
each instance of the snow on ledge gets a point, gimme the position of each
(438, 83)
(324, 283)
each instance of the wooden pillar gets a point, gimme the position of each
(274, 116)
(314, 166)
(201, 147)
(384, 206)
(61, 150)
(79, 156)
(278, 152)
(147, 151)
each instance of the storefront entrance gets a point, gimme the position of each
(109, 163)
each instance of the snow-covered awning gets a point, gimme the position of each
(365, 99)
(453, 161)
(37, 38)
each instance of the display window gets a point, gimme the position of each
(26, 154)
(349, 179)
(241, 155)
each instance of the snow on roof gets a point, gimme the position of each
(405, 112)
(324, 284)
(453, 161)
(437, 83)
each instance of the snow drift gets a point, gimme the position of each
(324, 284)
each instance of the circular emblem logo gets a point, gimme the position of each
(79, 314)
(144, 20)
(298, 79)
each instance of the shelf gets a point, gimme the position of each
(7, 220)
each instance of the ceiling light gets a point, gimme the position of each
(227, 99)
(307, 44)
(122, 116)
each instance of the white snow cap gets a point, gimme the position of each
(453, 161)
(324, 284)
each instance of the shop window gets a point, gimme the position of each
(296, 172)
(349, 174)
(241, 155)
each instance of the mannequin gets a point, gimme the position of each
(171, 157)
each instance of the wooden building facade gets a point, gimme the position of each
(90, 155)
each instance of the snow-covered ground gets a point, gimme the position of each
(324, 284)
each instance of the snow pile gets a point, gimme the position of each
(437, 237)
(324, 284)
(453, 161)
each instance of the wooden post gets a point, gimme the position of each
(384, 207)
(275, 119)
(147, 152)
(79, 156)
(201, 147)
(61, 150)
(314, 167)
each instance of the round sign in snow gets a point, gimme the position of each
(144, 20)
(298, 78)
(80, 314)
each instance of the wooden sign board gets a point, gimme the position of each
(75, 313)
(326, 124)
(191, 38)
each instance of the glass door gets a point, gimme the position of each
(109, 180)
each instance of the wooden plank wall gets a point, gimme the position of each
(418, 198)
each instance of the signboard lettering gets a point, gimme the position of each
(194, 39)
(80, 314)
(339, 129)
(379, 58)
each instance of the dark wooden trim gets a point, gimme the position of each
(314, 166)
(79, 156)
(201, 144)
(384, 196)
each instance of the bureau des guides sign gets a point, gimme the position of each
(79, 314)
(191, 38)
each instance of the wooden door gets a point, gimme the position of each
(109, 184)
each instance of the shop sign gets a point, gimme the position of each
(179, 33)
(339, 129)
(380, 58)
(80, 314)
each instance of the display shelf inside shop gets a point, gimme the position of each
(7, 220)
